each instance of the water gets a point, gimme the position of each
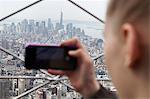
(93, 29)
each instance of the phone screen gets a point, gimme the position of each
(43, 53)
(49, 57)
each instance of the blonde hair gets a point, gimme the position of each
(132, 11)
(129, 10)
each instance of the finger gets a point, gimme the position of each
(81, 56)
(78, 53)
(72, 42)
(56, 72)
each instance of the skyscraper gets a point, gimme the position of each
(37, 28)
(18, 28)
(61, 26)
(49, 25)
(24, 24)
(43, 28)
(61, 19)
(69, 30)
(5, 86)
(31, 26)
(13, 28)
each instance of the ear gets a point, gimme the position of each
(131, 44)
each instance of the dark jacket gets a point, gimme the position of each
(104, 94)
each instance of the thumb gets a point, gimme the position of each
(78, 53)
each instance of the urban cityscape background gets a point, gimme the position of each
(15, 80)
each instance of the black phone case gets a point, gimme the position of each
(67, 63)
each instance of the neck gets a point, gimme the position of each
(140, 90)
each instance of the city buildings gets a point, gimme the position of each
(16, 35)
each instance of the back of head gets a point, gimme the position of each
(129, 10)
(137, 14)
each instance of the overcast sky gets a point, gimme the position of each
(52, 8)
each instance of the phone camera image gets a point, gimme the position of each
(49, 57)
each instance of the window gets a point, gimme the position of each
(48, 22)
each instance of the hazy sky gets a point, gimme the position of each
(52, 8)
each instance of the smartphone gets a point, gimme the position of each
(49, 57)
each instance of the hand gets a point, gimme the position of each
(83, 78)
